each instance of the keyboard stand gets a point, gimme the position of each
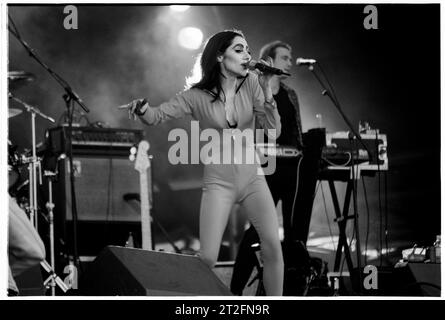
(341, 219)
(343, 174)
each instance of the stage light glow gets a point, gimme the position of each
(179, 8)
(190, 38)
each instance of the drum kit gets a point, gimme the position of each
(16, 161)
(16, 79)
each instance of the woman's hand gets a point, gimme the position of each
(264, 79)
(135, 108)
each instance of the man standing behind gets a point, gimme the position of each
(283, 183)
(294, 179)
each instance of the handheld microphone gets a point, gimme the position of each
(252, 65)
(303, 61)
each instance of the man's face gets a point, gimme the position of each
(283, 60)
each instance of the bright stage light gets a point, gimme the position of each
(190, 38)
(179, 8)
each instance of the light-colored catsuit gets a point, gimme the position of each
(228, 184)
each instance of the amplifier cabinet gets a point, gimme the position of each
(101, 183)
(93, 141)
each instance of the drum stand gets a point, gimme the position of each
(34, 163)
(32, 168)
(53, 279)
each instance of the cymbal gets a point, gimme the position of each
(17, 79)
(14, 112)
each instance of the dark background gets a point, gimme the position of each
(389, 77)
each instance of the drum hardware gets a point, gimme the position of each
(34, 167)
(13, 157)
(53, 278)
(34, 161)
(70, 97)
(31, 109)
(14, 164)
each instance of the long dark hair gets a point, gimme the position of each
(208, 66)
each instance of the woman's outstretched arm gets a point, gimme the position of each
(177, 107)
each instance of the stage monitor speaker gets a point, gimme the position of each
(414, 279)
(424, 279)
(135, 272)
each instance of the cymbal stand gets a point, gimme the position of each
(32, 167)
(34, 162)
(52, 279)
(50, 206)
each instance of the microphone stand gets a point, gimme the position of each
(69, 91)
(353, 134)
(70, 110)
(69, 97)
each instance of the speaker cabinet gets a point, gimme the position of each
(424, 279)
(103, 216)
(413, 279)
(136, 272)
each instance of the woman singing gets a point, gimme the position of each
(227, 97)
